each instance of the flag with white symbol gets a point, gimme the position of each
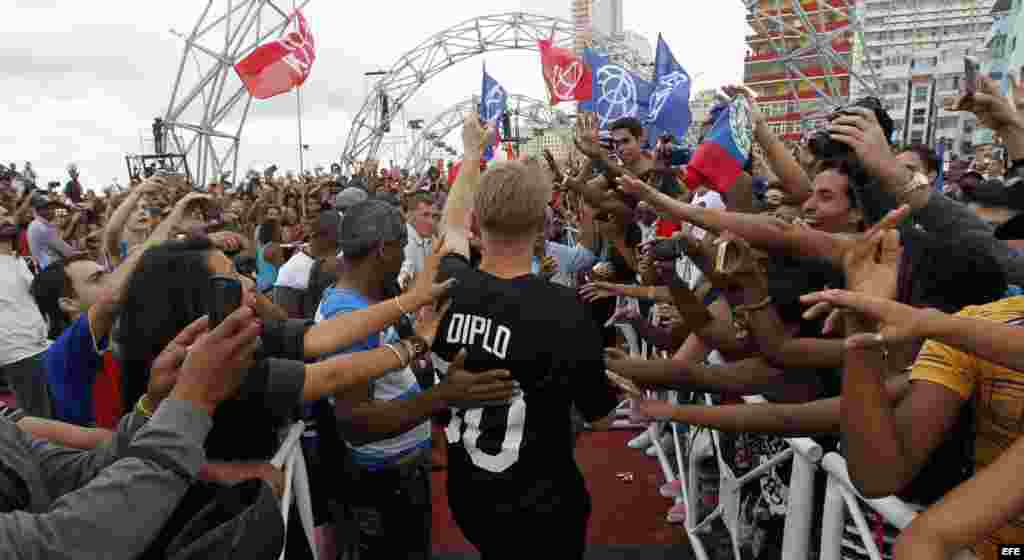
(282, 64)
(618, 93)
(670, 101)
(565, 74)
(493, 103)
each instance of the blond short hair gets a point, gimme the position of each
(512, 199)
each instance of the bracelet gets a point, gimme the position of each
(400, 308)
(140, 407)
(398, 355)
(650, 293)
(417, 345)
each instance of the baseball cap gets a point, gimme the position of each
(348, 198)
(39, 201)
(327, 223)
(368, 223)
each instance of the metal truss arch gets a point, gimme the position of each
(197, 117)
(500, 32)
(776, 19)
(530, 111)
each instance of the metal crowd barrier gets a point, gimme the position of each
(841, 498)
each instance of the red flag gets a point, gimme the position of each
(566, 75)
(280, 65)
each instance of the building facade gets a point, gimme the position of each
(915, 50)
(558, 140)
(701, 104)
(796, 85)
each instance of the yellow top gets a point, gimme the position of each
(998, 394)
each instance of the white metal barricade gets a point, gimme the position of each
(840, 499)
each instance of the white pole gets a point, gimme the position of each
(298, 104)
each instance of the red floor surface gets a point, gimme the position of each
(624, 513)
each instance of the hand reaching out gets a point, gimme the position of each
(215, 363)
(897, 322)
(598, 290)
(989, 105)
(871, 262)
(466, 390)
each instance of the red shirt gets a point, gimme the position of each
(665, 228)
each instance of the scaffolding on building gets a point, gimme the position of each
(810, 23)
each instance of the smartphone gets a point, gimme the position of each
(970, 85)
(225, 298)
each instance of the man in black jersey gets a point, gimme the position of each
(513, 484)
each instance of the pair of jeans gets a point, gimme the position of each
(389, 512)
(27, 378)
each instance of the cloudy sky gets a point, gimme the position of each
(82, 81)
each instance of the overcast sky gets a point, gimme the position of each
(82, 81)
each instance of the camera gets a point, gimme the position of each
(824, 147)
(668, 249)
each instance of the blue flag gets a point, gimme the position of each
(493, 103)
(618, 93)
(670, 101)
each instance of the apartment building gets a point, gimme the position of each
(796, 92)
(915, 50)
(701, 104)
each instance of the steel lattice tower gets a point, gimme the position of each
(802, 59)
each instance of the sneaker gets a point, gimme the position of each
(642, 441)
(677, 514)
(667, 444)
(671, 489)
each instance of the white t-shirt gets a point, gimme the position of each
(22, 328)
(295, 273)
(685, 268)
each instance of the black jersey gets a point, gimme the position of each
(544, 336)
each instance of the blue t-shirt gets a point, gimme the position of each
(398, 384)
(71, 367)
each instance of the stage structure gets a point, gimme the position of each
(429, 140)
(502, 32)
(206, 115)
(809, 50)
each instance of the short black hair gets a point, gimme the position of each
(939, 269)
(632, 124)
(927, 156)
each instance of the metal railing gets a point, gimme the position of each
(841, 498)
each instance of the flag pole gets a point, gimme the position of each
(298, 110)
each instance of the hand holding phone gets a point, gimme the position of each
(970, 84)
(225, 298)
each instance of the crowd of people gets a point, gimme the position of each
(467, 322)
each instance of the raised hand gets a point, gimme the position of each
(424, 288)
(216, 362)
(989, 105)
(227, 241)
(556, 172)
(896, 322)
(466, 390)
(859, 129)
(473, 135)
(595, 291)
(871, 262)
